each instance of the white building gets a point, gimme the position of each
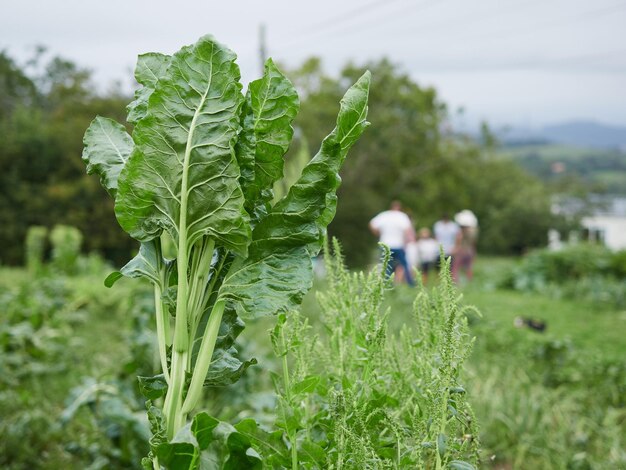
(607, 224)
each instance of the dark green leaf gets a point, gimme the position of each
(152, 387)
(107, 148)
(233, 449)
(149, 68)
(270, 445)
(178, 455)
(312, 453)
(278, 272)
(148, 263)
(202, 428)
(270, 283)
(226, 368)
(273, 103)
(183, 161)
(157, 426)
(316, 187)
(113, 278)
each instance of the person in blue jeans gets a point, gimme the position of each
(394, 229)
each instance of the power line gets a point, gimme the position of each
(348, 16)
(569, 19)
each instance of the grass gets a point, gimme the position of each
(547, 400)
(93, 327)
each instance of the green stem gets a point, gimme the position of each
(173, 400)
(161, 319)
(287, 385)
(200, 279)
(205, 354)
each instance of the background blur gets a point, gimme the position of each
(515, 110)
(490, 106)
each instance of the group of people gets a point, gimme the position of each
(456, 238)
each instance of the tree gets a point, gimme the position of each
(411, 153)
(41, 173)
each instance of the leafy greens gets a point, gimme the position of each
(199, 169)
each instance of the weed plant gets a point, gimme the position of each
(356, 396)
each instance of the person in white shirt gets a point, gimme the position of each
(446, 231)
(394, 229)
(428, 251)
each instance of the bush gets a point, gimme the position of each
(35, 248)
(66, 242)
(584, 271)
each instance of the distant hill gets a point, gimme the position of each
(599, 170)
(587, 134)
(575, 133)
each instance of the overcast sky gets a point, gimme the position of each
(520, 62)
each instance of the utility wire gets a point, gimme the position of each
(346, 15)
(335, 25)
(569, 19)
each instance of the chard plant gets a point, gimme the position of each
(199, 169)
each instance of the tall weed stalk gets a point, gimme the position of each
(355, 395)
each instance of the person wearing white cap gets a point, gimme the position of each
(465, 245)
(446, 231)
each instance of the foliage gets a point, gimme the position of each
(66, 242)
(584, 271)
(36, 238)
(200, 166)
(412, 154)
(567, 167)
(355, 396)
(46, 105)
(42, 357)
(545, 401)
(32, 333)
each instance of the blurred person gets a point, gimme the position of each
(428, 252)
(394, 229)
(446, 231)
(412, 252)
(465, 245)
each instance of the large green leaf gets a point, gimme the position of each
(148, 263)
(226, 368)
(182, 175)
(267, 283)
(301, 217)
(208, 444)
(277, 272)
(107, 149)
(149, 68)
(271, 105)
(270, 445)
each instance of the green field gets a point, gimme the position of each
(543, 400)
(598, 170)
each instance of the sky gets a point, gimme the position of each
(523, 63)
